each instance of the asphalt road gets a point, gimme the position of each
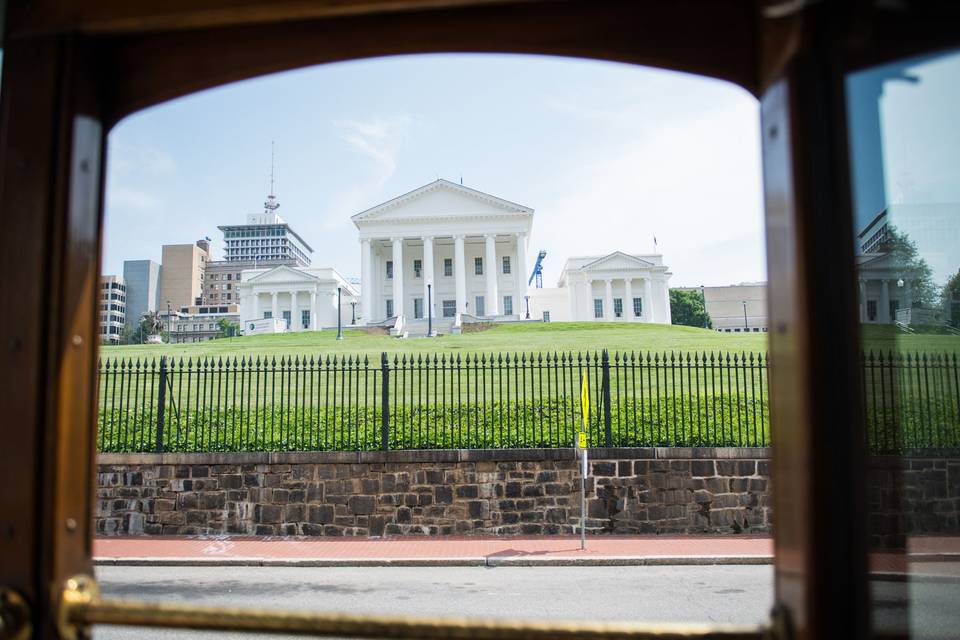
(727, 594)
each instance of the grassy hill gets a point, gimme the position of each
(533, 337)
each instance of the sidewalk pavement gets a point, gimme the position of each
(424, 551)
(932, 557)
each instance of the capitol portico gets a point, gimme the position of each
(446, 245)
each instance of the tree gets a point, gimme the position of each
(911, 267)
(228, 329)
(951, 300)
(686, 308)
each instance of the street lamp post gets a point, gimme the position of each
(744, 315)
(353, 313)
(706, 316)
(168, 321)
(429, 310)
(339, 324)
(526, 301)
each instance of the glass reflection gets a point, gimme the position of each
(905, 167)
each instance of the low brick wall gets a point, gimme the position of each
(535, 491)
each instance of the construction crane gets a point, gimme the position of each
(538, 270)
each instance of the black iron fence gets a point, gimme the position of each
(911, 401)
(436, 401)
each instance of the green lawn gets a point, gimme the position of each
(533, 337)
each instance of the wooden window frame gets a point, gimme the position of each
(72, 70)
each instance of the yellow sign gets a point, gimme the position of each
(582, 440)
(585, 402)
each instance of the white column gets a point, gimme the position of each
(255, 305)
(275, 308)
(649, 315)
(863, 300)
(666, 302)
(521, 271)
(628, 299)
(492, 303)
(398, 276)
(366, 283)
(590, 312)
(294, 312)
(428, 276)
(608, 300)
(460, 274)
(314, 325)
(884, 311)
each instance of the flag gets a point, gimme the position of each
(654, 241)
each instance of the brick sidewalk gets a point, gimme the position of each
(928, 556)
(473, 550)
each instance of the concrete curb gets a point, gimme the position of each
(475, 561)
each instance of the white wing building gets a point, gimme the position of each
(458, 249)
(305, 299)
(617, 287)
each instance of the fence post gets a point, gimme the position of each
(607, 418)
(384, 402)
(161, 402)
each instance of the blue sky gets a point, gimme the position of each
(608, 155)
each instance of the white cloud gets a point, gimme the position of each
(139, 160)
(132, 200)
(378, 138)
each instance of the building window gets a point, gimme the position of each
(286, 318)
(618, 307)
(597, 307)
(871, 310)
(546, 316)
(229, 276)
(506, 265)
(638, 307)
(479, 306)
(508, 305)
(267, 315)
(449, 308)
(478, 266)
(389, 306)
(305, 318)
(448, 267)
(418, 307)
(417, 267)
(389, 269)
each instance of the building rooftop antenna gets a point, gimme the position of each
(271, 205)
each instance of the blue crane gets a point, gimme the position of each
(538, 270)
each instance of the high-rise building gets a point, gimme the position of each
(221, 282)
(265, 238)
(142, 278)
(182, 273)
(113, 308)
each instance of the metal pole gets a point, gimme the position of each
(744, 314)
(339, 324)
(168, 321)
(583, 498)
(706, 316)
(429, 310)
(353, 313)
(526, 300)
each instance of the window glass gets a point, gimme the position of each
(449, 308)
(618, 307)
(478, 266)
(479, 306)
(507, 305)
(448, 267)
(597, 307)
(638, 307)
(506, 264)
(905, 168)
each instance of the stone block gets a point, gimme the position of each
(532, 490)
(320, 513)
(362, 504)
(702, 468)
(746, 467)
(268, 513)
(604, 469)
(213, 500)
(468, 491)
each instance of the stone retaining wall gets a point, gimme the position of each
(536, 491)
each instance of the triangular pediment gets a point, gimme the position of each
(281, 274)
(617, 260)
(441, 199)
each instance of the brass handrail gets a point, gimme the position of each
(81, 605)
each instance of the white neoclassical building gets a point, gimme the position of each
(617, 287)
(458, 249)
(304, 298)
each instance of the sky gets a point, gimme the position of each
(610, 156)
